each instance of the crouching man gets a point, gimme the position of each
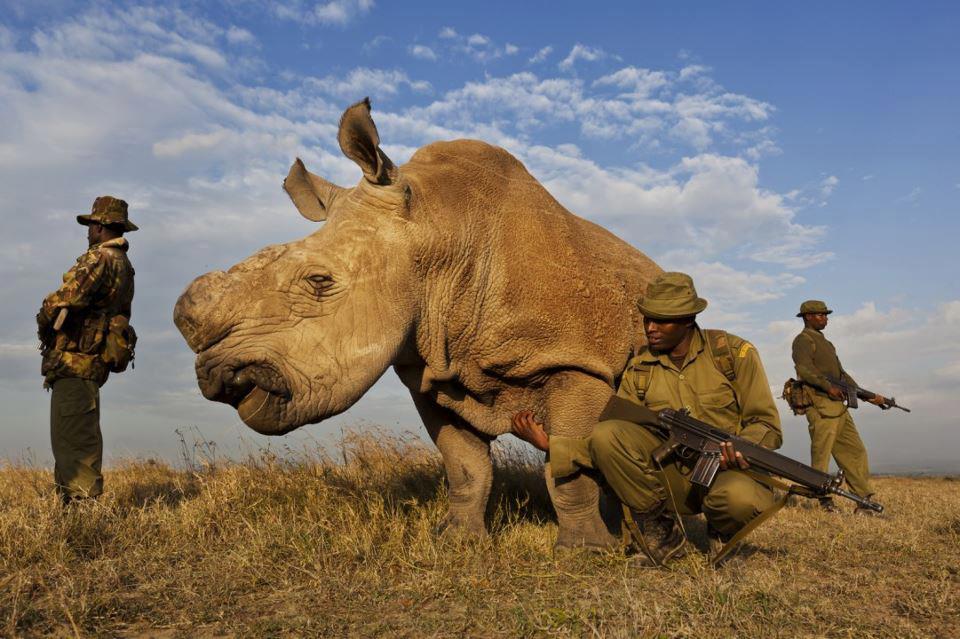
(715, 376)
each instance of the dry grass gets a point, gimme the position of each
(348, 545)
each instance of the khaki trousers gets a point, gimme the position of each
(622, 451)
(75, 437)
(837, 435)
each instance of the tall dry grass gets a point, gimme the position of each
(348, 543)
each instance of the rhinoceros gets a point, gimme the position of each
(459, 270)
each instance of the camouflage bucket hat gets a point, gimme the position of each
(109, 211)
(813, 306)
(671, 296)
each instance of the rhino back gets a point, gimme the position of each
(517, 285)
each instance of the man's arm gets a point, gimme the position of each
(80, 283)
(807, 371)
(566, 454)
(759, 416)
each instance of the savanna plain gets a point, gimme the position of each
(348, 541)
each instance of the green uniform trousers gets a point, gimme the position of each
(75, 437)
(622, 451)
(838, 436)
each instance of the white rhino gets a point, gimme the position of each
(459, 270)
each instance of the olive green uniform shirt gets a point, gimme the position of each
(743, 407)
(815, 358)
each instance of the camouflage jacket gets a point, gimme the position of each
(98, 287)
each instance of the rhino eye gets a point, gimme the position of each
(320, 284)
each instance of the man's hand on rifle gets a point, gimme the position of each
(835, 392)
(730, 458)
(527, 428)
(879, 400)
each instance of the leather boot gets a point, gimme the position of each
(657, 534)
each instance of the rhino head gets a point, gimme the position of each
(299, 331)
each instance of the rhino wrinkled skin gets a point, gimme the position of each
(460, 271)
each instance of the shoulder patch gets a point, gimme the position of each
(744, 349)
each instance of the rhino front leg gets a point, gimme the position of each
(466, 458)
(574, 401)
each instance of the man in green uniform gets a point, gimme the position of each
(832, 431)
(715, 376)
(76, 324)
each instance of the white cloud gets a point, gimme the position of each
(912, 197)
(7, 39)
(693, 70)
(639, 82)
(827, 185)
(581, 52)
(422, 52)
(365, 81)
(238, 35)
(478, 46)
(478, 40)
(374, 44)
(541, 55)
(341, 12)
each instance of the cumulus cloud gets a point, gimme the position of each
(581, 52)
(364, 81)
(541, 55)
(336, 12)
(477, 46)
(828, 185)
(422, 52)
(238, 35)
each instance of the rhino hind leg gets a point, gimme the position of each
(466, 459)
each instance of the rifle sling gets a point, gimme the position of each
(753, 524)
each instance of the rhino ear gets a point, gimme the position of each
(311, 194)
(360, 142)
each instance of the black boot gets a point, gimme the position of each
(657, 534)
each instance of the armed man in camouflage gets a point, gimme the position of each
(719, 379)
(832, 431)
(85, 335)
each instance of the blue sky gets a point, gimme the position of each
(775, 152)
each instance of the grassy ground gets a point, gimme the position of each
(347, 544)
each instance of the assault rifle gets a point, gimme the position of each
(854, 392)
(688, 436)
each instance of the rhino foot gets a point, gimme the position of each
(463, 524)
(587, 533)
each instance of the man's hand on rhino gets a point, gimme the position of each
(527, 428)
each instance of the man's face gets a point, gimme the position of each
(93, 232)
(816, 320)
(664, 335)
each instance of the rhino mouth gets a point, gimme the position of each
(257, 390)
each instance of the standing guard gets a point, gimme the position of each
(85, 334)
(832, 431)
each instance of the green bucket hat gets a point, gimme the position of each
(671, 296)
(109, 211)
(813, 306)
